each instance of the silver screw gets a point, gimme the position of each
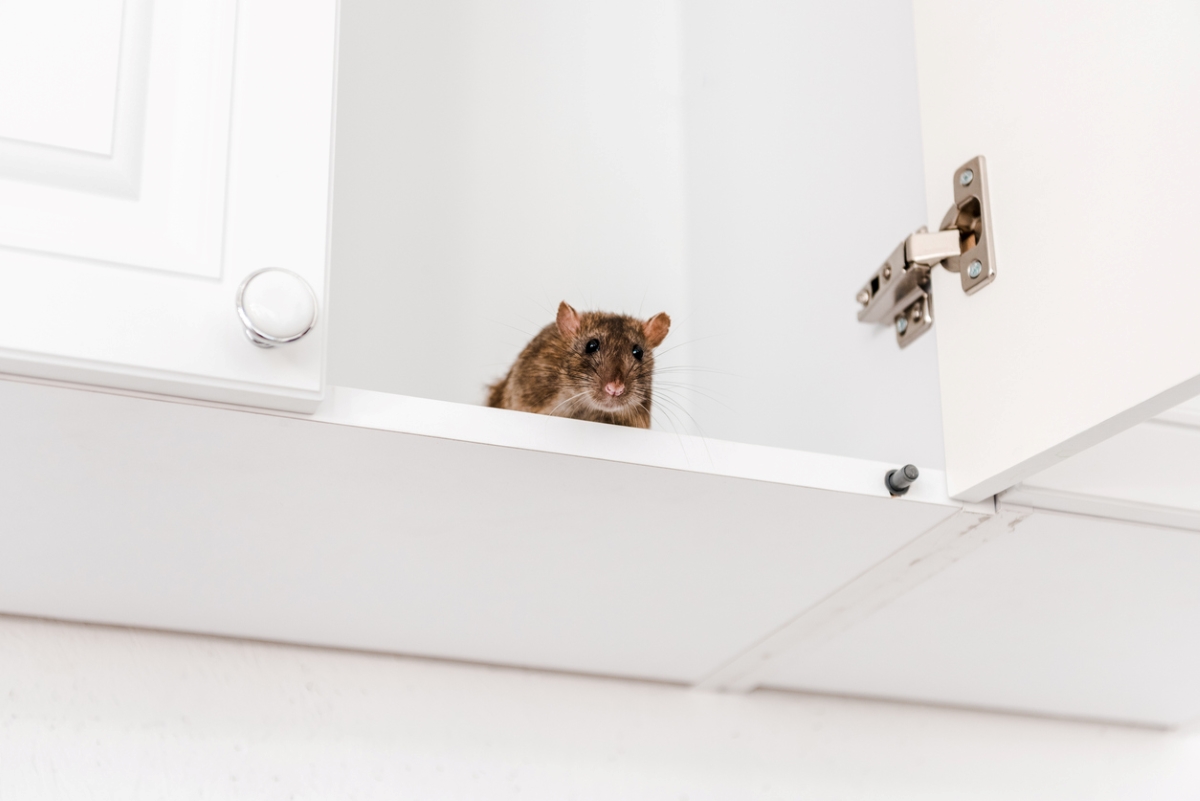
(966, 177)
(901, 325)
(975, 268)
(887, 273)
(864, 297)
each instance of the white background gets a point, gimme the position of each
(742, 166)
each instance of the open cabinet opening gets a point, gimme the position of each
(738, 167)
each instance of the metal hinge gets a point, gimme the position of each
(900, 292)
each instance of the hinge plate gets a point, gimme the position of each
(971, 215)
(899, 293)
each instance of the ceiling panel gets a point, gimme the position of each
(1067, 616)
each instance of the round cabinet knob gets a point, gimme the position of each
(276, 306)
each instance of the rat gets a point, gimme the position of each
(591, 366)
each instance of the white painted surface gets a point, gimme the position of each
(480, 534)
(120, 257)
(714, 160)
(424, 527)
(803, 158)
(60, 59)
(109, 713)
(556, 435)
(1089, 123)
(1070, 616)
(153, 195)
(946, 543)
(493, 160)
(1186, 413)
(1150, 474)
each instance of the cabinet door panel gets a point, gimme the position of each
(160, 153)
(1088, 119)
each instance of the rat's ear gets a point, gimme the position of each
(656, 329)
(568, 320)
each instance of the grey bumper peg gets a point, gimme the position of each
(898, 481)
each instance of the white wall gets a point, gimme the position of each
(804, 170)
(741, 165)
(494, 159)
(94, 712)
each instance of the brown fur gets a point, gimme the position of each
(556, 375)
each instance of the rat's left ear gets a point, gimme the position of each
(656, 329)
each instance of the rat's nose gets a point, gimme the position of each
(615, 388)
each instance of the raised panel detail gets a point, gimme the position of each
(91, 140)
(126, 276)
(154, 197)
(59, 59)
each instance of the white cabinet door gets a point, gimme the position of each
(1089, 118)
(152, 155)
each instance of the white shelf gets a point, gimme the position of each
(420, 527)
(379, 411)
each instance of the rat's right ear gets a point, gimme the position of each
(568, 320)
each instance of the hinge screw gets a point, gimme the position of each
(966, 177)
(901, 325)
(975, 268)
(864, 297)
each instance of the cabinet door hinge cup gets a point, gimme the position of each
(899, 294)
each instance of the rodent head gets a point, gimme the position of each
(608, 359)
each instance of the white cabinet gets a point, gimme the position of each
(492, 163)
(152, 156)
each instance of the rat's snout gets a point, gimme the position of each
(615, 388)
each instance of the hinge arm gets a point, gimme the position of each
(899, 294)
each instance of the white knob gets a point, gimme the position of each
(276, 306)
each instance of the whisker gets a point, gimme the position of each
(691, 386)
(701, 393)
(568, 400)
(675, 430)
(686, 342)
(681, 368)
(506, 325)
(703, 438)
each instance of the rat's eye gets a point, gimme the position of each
(592, 346)
(637, 352)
